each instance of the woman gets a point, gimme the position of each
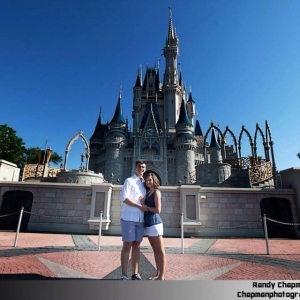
(154, 225)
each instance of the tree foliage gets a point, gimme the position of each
(31, 155)
(298, 155)
(12, 149)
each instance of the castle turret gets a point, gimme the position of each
(173, 93)
(185, 145)
(137, 98)
(216, 155)
(190, 104)
(115, 142)
(96, 145)
(198, 130)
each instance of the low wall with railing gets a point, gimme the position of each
(216, 212)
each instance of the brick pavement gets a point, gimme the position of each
(64, 256)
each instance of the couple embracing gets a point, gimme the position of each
(141, 207)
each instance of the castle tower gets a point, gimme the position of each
(96, 145)
(216, 155)
(191, 108)
(173, 92)
(162, 129)
(137, 99)
(185, 145)
(115, 142)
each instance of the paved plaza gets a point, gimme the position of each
(66, 256)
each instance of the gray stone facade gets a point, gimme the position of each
(167, 136)
(163, 133)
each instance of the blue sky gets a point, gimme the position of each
(60, 61)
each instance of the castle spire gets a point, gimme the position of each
(172, 37)
(118, 116)
(213, 141)
(198, 130)
(183, 116)
(138, 82)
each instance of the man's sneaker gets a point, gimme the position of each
(124, 277)
(136, 277)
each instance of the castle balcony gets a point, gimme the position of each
(259, 169)
(261, 173)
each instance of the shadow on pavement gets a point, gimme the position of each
(29, 276)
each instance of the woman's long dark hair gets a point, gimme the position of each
(154, 178)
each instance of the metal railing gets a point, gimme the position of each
(176, 218)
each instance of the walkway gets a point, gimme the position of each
(63, 256)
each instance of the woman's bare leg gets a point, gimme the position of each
(157, 244)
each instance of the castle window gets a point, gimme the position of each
(156, 146)
(143, 146)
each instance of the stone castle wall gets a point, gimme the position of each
(222, 211)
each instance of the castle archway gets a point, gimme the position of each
(13, 201)
(279, 210)
(87, 149)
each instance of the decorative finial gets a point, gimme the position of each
(120, 93)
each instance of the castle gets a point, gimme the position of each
(166, 136)
(206, 182)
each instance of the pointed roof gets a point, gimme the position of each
(198, 131)
(151, 72)
(118, 116)
(213, 141)
(172, 37)
(151, 110)
(180, 79)
(183, 116)
(138, 82)
(191, 97)
(100, 129)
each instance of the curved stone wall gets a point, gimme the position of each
(79, 177)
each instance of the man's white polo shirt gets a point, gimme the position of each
(132, 188)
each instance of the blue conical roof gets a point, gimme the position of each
(118, 116)
(213, 141)
(191, 98)
(183, 116)
(198, 131)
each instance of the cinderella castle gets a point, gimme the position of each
(167, 137)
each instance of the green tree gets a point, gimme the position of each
(298, 155)
(31, 156)
(12, 147)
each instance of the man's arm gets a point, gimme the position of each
(129, 201)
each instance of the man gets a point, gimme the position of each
(132, 220)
